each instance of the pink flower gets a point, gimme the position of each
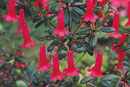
(71, 70)
(94, 2)
(11, 16)
(43, 2)
(118, 3)
(56, 75)
(27, 40)
(89, 12)
(20, 52)
(21, 21)
(60, 30)
(18, 65)
(125, 84)
(99, 0)
(96, 70)
(118, 51)
(128, 11)
(44, 64)
(115, 25)
(123, 38)
(1, 62)
(1, 73)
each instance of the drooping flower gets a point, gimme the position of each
(20, 65)
(118, 3)
(44, 63)
(1, 62)
(128, 11)
(27, 40)
(115, 25)
(60, 30)
(21, 21)
(94, 2)
(20, 52)
(43, 2)
(11, 16)
(96, 70)
(89, 12)
(71, 70)
(1, 73)
(99, 0)
(123, 38)
(57, 74)
(125, 84)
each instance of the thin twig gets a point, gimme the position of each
(52, 25)
(77, 28)
(80, 58)
(117, 85)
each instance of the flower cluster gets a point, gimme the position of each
(120, 52)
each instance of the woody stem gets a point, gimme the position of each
(77, 28)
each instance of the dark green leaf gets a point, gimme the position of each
(107, 29)
(76, 79)
(2, 4)
(75, 18)
(8, 58)
(86, 79)
(36, 19)
(126, 47)
(51, 47)
(39, 24)
(79, 11)
(110, 77)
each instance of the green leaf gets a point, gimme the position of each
(36, 19)
(75, 18)
(21, 83)
(86, 79)
(94, 42)
(110, 77)
(51, 47)
(76, 79)
(62, 55)
(79, 11)
(39, 24)
(66, 17)
(8, 58)
(43, 38)
(126, 47)
(107, 29)
(2, 4)
(78, 4)
(105, 8)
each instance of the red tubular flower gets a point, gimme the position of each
(96, 70)
(44, 64)
(115, 25)
(128, 11)
(43, 2)
(60, 30)
(71, 70)
(99, 0)
(18, 65)
(27, 40)
(21, 21)
(56, 75)
(123, 38)
(125, 84)
(1, 73)
(1, 62)
(89, 13)
(94, 2)
(11, 13)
